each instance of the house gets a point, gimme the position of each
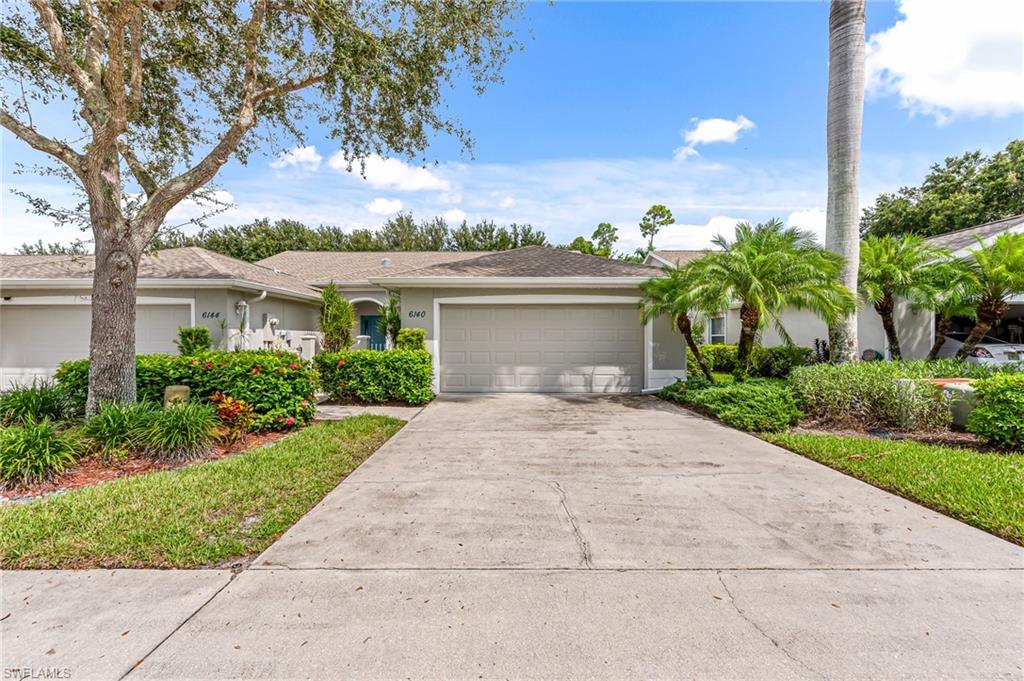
(916, 328)
(533, 319)
(45, 312)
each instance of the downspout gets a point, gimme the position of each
(243, 306)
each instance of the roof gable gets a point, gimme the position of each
(962, 238)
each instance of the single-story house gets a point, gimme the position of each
(916, 328)
(45, 313)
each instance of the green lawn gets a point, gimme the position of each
(192, 516)
(982, 489)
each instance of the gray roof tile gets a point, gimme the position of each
(323, 267)
(954, 241)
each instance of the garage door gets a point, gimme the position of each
(541, 348)
(36, 338)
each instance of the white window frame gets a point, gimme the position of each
(725, 325)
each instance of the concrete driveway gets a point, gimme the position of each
(577, 537)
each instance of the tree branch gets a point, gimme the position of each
(289, 86)
(142, 176)
(42, 143)
(59, 46)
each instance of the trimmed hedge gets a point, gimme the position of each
(755, 405)
(765, 362)
(998, 414)
(376, 375)
(411, 339)
(278, 385)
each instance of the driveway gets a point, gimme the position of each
(579, 537)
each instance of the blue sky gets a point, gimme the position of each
(591, 123)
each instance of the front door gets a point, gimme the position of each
(369, 326)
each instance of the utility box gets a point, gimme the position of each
(176, 394)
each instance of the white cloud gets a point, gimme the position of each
(679, 236)
(382, 206)
(213, 203)
(506, 202)
(711, 131)
(449, 197)
(454, 216)
(392, 173)
(812, 220)
(949, 58)
(303, 158)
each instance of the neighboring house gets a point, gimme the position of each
(916, 329)
(45, 312)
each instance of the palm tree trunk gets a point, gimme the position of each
(749, 319)
(845, 115)
(884, 308)
(989, 312)
(686, 328)
(940, 337)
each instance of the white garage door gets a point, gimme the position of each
(541, 348)
(34, 339)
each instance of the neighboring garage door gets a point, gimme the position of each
(541, 348)
(36, 338)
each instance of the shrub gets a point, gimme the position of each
(777, 361)
(41, 400)
(179, 432)
(278, 385)
(676, 391)
(336, 319)
(376, 376)
(34, 452)
(411, 339)
(193, 340)
(235, 415)
(871, 393)
(118, 425)
(753, 406)
(998, 414)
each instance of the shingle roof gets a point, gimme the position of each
(531, 261)
(323, 267)
(954, 241)
(679, 257)
(174, 263)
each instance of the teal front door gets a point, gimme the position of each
(368, 326)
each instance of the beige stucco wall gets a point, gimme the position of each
(914, 329)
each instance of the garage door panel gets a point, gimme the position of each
(541, 348)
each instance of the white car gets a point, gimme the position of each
(990, 351)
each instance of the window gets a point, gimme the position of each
(716, 330)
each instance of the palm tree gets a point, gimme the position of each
(845, 114)
(952, 293)
(998, 270)
(892, 267)
(676, 294)
(766, 269)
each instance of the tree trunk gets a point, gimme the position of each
(989, 312)
(686, 328)
(884, 308)
(749, 319)
(846, 42)
(112, 342)
(940, 337)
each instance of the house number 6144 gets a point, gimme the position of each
(417, 314)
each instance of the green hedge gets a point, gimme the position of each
(765, 362)
(755, 405)
(998, 414)
(278, 385)
(377, 376)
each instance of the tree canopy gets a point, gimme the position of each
(962, 192)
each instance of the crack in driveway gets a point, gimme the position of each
(580, 540)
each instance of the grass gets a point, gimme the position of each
(981, 489)
(195, 516)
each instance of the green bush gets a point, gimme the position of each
(718, 356)
(179, 432)
(118, 425)
(278, 385)
(862, 394)
(41, 400)
(411, 339)
(753, 406)
(676, 391)
(193, 340)
(34, 452)
(377, 376)
(779, 360)
(998, 414)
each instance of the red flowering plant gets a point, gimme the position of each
(236, 415)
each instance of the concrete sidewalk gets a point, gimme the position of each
(559, 537)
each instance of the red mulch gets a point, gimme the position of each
(94, 470)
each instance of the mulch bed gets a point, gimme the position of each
(94, 470)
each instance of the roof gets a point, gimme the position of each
(322, 267)
(529, 262)
(174, 263)
(962, 238)
(678, 258)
